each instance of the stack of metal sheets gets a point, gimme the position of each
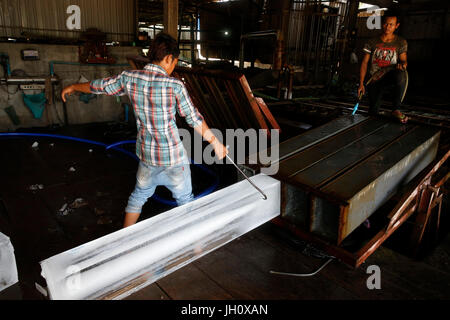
(339, 174)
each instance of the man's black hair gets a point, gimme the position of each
(161, 46)
(390, 13)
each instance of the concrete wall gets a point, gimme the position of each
(101, 109)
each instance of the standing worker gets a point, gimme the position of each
(156, 98)
(388, 56)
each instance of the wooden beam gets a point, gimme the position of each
(171, 17)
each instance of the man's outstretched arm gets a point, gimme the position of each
(77, 87)
(112, 86)
(203, 130)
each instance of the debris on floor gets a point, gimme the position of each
(104, 220)
(64, 210)
(68, 208)
(99, 212)
(72, 169)
(78, 203)
(35, 187)
(35, 145)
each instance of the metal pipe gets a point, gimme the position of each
(245, 176)
(52, 63)
(304, 274)
(26, 80)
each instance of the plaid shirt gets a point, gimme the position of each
(156, 98)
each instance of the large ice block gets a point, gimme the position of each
(116, 265)
(8, 268)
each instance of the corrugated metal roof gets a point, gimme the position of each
(48, 18)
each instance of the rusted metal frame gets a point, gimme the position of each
(441, 182)
(419, 182)
(243, 101)
(311, 215)
(423, 215)
(199, 100)
(340, 253)
(343, 217)
(380, 237)
(213, 103)
(269, 116)
(438, 201)
(430, 198)
(197, 97)
(402, 211)
(197, 91)
(398, 216)
(210, 73)
(253, 104)
(224, 120)
(236, 103)
(221, 103)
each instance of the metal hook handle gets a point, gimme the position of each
(264, 195)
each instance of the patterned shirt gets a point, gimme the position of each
(156, 98)
(384, 54)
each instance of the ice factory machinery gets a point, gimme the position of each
(330, 180)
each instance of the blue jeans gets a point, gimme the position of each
(176, 178)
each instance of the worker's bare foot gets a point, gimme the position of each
(400, 116)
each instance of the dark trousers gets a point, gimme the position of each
(395, 79)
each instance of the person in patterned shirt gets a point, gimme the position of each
(156, 98)
(388, 61)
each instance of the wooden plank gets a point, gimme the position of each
(249, 278)
(254, 105)
(266, 258)
(354, 280)
(199, 98)
(151, 292)
(269, 116)
(236, 104)
(171, 17)
(440, 257)
(225, 119)
(423, 281)
(190, 283)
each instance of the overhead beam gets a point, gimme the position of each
(171, 17)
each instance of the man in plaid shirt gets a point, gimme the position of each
(156, 98)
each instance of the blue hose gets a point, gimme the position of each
(114, 146)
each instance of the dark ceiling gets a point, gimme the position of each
(151, 11)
